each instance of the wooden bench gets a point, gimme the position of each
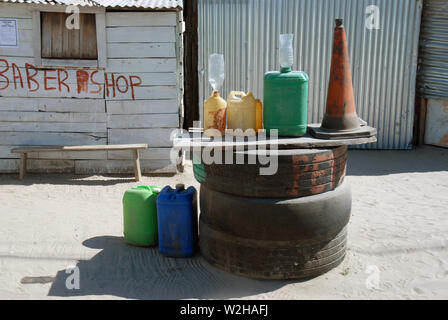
(135, 147)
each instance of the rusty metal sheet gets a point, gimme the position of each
(436, 132)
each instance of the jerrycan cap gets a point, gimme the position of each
(180, 187)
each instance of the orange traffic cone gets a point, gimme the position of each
(340, 119)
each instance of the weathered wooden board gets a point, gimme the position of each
(140, 34)
(66, 63)
(21, 61)
(170, 120)
(52, 105)
(194, 139)
(53, 116)
(92, 91)
(146, 79)
(5, 153)
(147, 154)
(101, 39)
(9, 165)
(39, 165)
(25, 49)
(25, 36)
(141, 65)
(142, 106)
(141, 50)
(85, 155)
(122, 166)
(145, 93)
(24, 23)
(19, 78)
(65, 93)
(54, 148)
(11, 10)
(159, 137)
(140, 19)
(53, 126)
(51, 138)
(48, 77)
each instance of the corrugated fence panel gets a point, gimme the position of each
(383, 61)
(433, 73)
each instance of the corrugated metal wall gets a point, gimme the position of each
(383, 61)
(433, 73)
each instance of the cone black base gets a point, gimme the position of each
(362, 132)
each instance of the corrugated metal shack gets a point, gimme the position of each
(116, 79)
(433, 73)
(383, 57)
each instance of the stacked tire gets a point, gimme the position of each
(288, 225)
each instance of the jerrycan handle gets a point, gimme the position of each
(156, 189)
(237, 94)
(150, 188)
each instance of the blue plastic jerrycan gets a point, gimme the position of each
(177, 218)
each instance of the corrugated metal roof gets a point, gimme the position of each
(152, 4)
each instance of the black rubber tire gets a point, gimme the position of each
(269, 259)
(274, 238)
(320, 216)
(301, 172)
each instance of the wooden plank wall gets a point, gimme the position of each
(134, 100)
(142, 44)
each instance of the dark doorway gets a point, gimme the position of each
(191, 82)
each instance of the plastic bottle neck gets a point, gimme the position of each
(285, 69)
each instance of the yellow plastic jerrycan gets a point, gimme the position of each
(259, 115)
(215, 115)
(241, 112)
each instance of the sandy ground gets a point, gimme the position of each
(398, 239)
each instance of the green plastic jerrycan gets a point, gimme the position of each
(285, 102)
(198, 168)
(140, 215)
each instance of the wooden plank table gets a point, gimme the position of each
(195, 139)
(135, 147)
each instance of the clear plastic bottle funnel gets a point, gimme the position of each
(286, 54)
(216, 71)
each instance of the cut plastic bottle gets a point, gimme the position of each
(286, 54)
(215, 106)
(216, 71)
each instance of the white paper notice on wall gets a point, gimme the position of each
(9, 37)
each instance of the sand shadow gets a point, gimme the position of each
(132, 272)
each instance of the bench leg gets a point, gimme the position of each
(22, 166)
(137, 171)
